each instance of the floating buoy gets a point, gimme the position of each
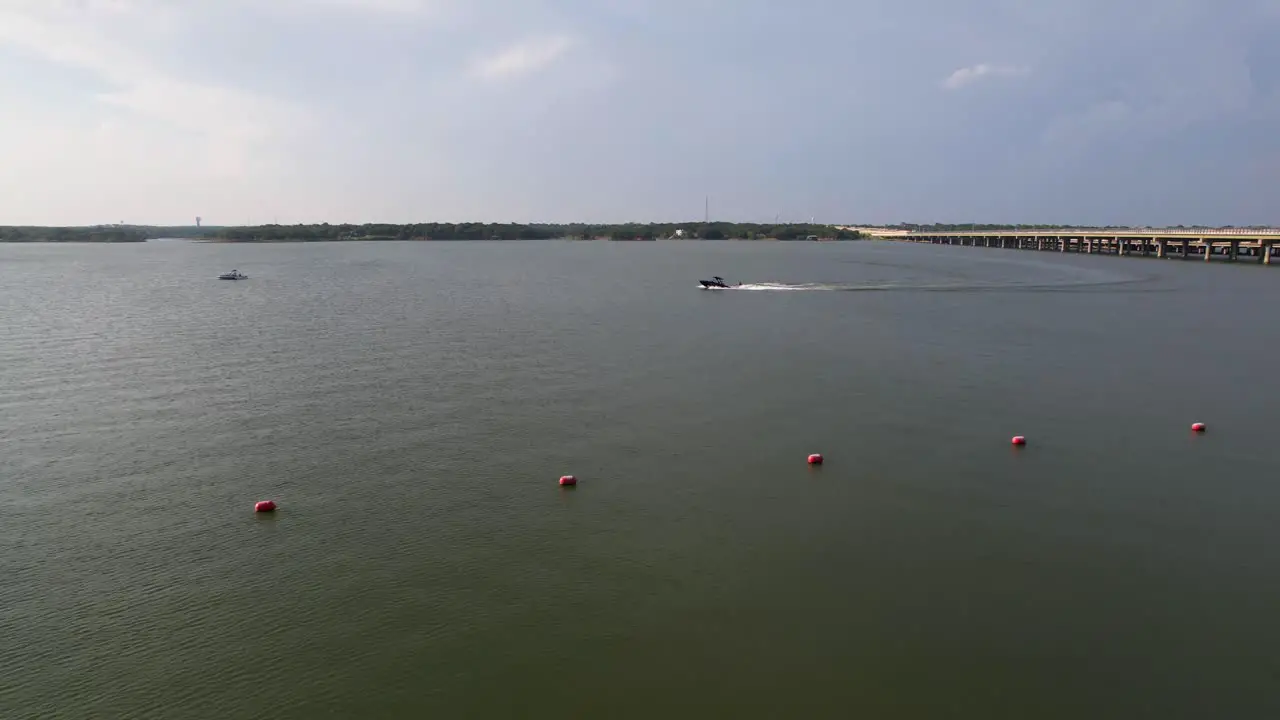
(815, 459)
(568, 481)
(1018, 440)
(1198, 427)
(264, 506)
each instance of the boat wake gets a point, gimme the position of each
(1063, 286)
(784, 287)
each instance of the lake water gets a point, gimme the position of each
(412, 405)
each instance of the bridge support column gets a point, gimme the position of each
(1162, 248)
(1234, 253)
(1186, 249)
(1264, 254)
(1119, 246)
(1039, 243)
(1208, 250)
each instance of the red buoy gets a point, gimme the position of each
(568, 481)
(1198, 427)
(815, 459)
(264, 506)
(1018, 440)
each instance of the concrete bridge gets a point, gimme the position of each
(1229, 244)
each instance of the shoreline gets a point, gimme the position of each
(282, 241)
(446, 232)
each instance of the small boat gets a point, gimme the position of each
(715, 282)
(233, 275)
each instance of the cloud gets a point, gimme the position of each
(969, 75)
(82, 36)
(157, 110)
(523, 58)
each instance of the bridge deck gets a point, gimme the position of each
(1227, 243)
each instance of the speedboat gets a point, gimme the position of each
(233, 275)
(715, 282)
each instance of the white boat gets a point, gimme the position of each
(233, 275)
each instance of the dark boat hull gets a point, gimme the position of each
(712, 284)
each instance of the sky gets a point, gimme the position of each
(1129, 112)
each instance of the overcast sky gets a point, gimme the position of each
(860, 111)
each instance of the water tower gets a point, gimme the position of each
(197, 221)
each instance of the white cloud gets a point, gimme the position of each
(968, 75)
(522, 58)
(81, 35)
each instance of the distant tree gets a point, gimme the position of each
(422, 231)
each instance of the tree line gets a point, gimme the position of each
(517, 231)
(106, 233)
(497, 231)
(432, 231)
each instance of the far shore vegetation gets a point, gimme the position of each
(487, 231)
(432, 231)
